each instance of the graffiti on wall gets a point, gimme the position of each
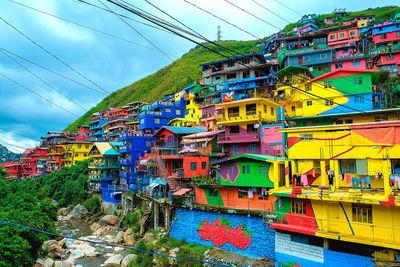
(229, 171)
(221, 232)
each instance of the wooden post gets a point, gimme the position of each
(324, 176)
(155, 215)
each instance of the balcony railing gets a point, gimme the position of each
(239, 137)
(237, 117)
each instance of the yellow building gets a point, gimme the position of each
(343, 183)
(75, 152)
(192, 112)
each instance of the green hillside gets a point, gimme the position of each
(169, 79)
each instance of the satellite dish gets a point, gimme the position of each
(256, 126)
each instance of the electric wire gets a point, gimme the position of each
(9, 144)
(39, 95)
(14, 132)
(53, 55)
(251, 14)
(138, 32)
(282, 4)
(44, 81)
(87, 27)
(269, 10)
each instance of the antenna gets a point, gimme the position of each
(219, 33)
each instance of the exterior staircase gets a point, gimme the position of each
(174, 185)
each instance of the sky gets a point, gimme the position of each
(39, 93)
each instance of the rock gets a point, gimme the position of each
(149, 237)
(116, 259)
(63, 211)
(110, 255)
(62, 243)
(51, 245)
(102, 231)
(95, 226)
(119, 238)
(76, 254)
(127, 259)
(118, 249)
(78, 212)
(62, 264)
(172, 254)
(93, 253)
(110, 219)
(49, 262)
(129, 238)
(39, 262)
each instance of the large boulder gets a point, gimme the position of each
(127, 259)
(49, 262)
(119, 238)
(78, 212)
(63, 264)
(39, 263)
(129, 237)
(110, 219)
(149, 237)
(51, 246)
(116, 259)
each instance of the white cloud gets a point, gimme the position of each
(16, 143)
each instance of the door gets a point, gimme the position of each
(333, 218)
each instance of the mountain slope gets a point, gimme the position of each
(7, 155)
(169, 79)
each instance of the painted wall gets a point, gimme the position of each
(244, 235)
(246, 173)
(200, 170)
(290, 253)
(272, 141)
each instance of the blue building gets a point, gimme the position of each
(96, 127)
(309, 58)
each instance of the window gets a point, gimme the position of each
(234, 149)
(332, 37)
(233, 112)
(242, 193)
(168, 110)
(390, 57)
(250, 128)
(293, 108)
(246, 74)
(339, 122)
(245, 61)
(230, 76)
(348, 121)
(298, 206)
(341, 35)
(383, 36)
(323, 56)
(329, 102)
(79, 146)
(193, 166)
(357, 80)
(86, 146)
(328, 85)
(231, 64)
(204, 165)
(306, 58)
(361, 213)
(356, 63)
(157, 121)
(338, 66)
(359, 99)
(272, 111)
(347, 166)
(76, 154)
(251, 109)
(217, 77)
(381, 118)
(308, 87)
(178, 112)
(352, 33)
(306, 137)
(265, 108)
(309, 103)
(148, 144)
(252, 148)
(263, 169)
(234, 129)
(212, 192)
(245, 169)
(398, 33)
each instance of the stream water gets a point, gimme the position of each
(81, 229)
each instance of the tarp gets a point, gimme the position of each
(182, 191)
(191, 141)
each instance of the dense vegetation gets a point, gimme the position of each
(30, 202)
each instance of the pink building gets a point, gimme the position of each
(350, 63)
(343, 38)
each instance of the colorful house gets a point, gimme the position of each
(345, 42)
(96, 127)
(385, 33)
(240, 119)
(342, 185)
(192, 109)
(13, 169)
(388, 61)
(75, 152)
(56, 156)
(242, 182)
(31, 165)
(104, 171)
(309, 58)
(83, 133)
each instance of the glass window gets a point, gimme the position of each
(328, 85)
(245, 169)
(263, 169)
(329, 102)
(242, 194)
(157, 121)
(298, 206)
(272, 111)
(234, 129)
(148, 144)
(356, 63)
(293, 108)
(308, 87)
(168, 110)
(231, 76)
(332, 37)
(323, 56)
(250, 128)
(204, 165)
(252, 148)
(390, 57)
(352, 33)
(306, 58)
(338, 66)
(231, 63)
(347, 166)
(357, 80)
(306, 137)
(361, 213)
(234, 149)
(309, 103)
(341, 35)
(193, 166)
(383, 36)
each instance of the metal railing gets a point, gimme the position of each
(247, 204)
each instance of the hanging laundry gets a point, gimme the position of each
(304, 180)
(341, 177)
(348, 178)
(250, 194)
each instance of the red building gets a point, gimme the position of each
(116, 112)
(13, 169)
(83, 133)
(389, 61)
(33, 161)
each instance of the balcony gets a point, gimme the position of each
(236, 117)
(245, 137)
(95, 165)
(126, 162)
(125, 175)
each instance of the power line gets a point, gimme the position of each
(90, 28)
(152, 253)
(247, 12)
(138, 32)
(39, 95)
(140, 14)
(4, 142)
(49, 70)
(53, 55)
(45, 82)
(279, 2)
(264, 7)
(14, 132)
(215, 16)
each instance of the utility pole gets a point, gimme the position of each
(219, 33)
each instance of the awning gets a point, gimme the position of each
(199, 140)
(188, 150)
(182, 191)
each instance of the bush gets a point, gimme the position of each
(132, 220)
(144, 258)
(93, 204)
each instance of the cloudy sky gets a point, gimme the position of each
(30, 78)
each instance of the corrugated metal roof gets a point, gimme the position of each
(182, 130)
(105, 149)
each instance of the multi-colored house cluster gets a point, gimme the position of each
(302, 135)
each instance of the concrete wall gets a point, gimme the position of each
(256, 240)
